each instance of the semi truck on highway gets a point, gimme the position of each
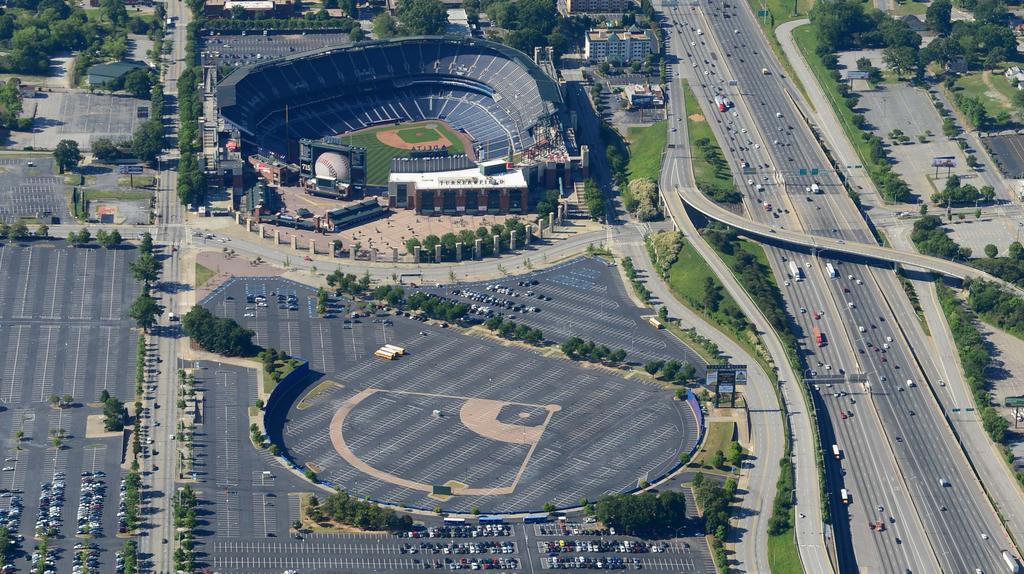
(1011, 563)
(835, 451)
(819, 337)
(845, 496)
(831, 271)
(720, 103)
(795, 271)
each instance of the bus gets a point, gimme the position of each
(835, 451)
(385, 354)
(831, 271)
(400, 351)
(535, 518)
(655, 323)
(491, 520)
(845, 496)
(454, 521)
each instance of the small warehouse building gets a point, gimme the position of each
(110, 74)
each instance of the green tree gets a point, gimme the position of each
(735, 454)
(422, 17)
(79, 238)
(991, 251)
(66, 154)
(938, 16)
(384, 26)
(105, 150)
(17, 230)
(144, 311)
(138, 83)
(148, 140)
(717, 459)
(108, 239)
(145, 268)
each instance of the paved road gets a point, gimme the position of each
(161, 467)
(997, 476)
(782, 148)
(676, 174)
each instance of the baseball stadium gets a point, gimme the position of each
(392, 97)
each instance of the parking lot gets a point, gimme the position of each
(585, 298)
(237, 50)
(510, 429)
(1008, 151)
(64, 331)
(28, 189)
(78, 116)
(910, 110)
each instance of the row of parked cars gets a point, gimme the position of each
(90, 504)
(587, 563)
(474, 564)
(87, 558)
(122, 524)
(483, 530)
(45, 563)
(485, 547)
(625, 546)
(51, 504)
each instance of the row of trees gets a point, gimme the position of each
(579, 350)
(638, 286)
(344, 509)
(673, 371)
(509, 329)
(184, 504)
(593, 199)
(191, 178)
(756, 278)
(957, 193)
(145, 309)
(649, 514)
(348, 283)
(218, 335)
(438, 308)
(468, 239)
(974, 359)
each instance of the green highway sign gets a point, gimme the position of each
(762, 13)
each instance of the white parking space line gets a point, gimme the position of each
(45, 358)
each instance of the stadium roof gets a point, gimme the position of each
(547, 86)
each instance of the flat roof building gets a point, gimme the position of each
(460, 192)
(623, 46)
(595, 6)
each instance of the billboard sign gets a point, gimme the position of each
(856, 75)
(947, 161)
(129, 169)
(723, 380)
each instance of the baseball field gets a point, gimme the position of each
(385, 142)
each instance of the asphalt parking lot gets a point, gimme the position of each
(236, 50)
(570, 431)
(31, 191)
(1009, 153)
(64, 331)
(588, 300)
(78, 116)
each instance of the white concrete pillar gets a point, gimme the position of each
(478, 248)
(458, 252)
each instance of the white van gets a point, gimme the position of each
(911, 383)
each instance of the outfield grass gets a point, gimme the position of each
(717, 438)
(646, 145)
(378, 155)
(973, 85)
(203, 274)
(704, 174)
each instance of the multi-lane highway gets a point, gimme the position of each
(901, 436)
